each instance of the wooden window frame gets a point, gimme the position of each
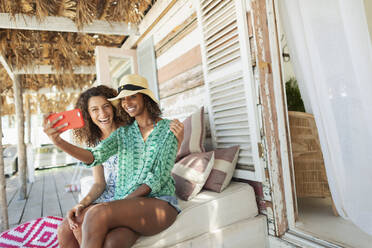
(102, 62)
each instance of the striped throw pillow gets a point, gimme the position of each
(194, 134)
(191, 172)
(223, 169)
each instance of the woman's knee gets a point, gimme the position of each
(97, 214)
(66, 236)
(64, 229)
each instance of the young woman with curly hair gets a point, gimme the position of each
(138, 148)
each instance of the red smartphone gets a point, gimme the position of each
(74, 118)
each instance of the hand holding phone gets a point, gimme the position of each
(73, 118)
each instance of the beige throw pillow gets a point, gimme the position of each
(194, 134)
(223, 169)
(191, 172)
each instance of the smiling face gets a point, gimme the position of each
(133, 105)
(101, 112)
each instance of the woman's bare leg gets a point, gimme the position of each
(120, 237)
(66, 238)
(145, 216)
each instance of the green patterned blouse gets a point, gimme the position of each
(140, 162)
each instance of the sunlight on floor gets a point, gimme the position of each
(316, 217)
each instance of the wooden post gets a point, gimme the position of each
(28, 119)
(20, 121)
(3, 201)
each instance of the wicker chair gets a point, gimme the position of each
(310, 175)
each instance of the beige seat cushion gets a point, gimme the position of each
(208, 211)
(248, 233)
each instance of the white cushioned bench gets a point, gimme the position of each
(227, 219)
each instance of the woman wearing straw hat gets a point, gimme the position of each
(145, 202)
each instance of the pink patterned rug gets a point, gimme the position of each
(39, 233)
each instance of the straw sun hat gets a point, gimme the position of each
(132, 84)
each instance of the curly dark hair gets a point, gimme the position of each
(90, 134)
(151, 106)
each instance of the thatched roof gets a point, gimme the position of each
(27, 49)
(80, 11)
(24, 48)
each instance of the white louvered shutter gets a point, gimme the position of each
(147, 64)
(229, 82)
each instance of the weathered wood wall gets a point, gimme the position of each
(181, 88)
(179, 63)
(178, 57)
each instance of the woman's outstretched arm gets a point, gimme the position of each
(54, 135)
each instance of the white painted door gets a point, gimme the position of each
(147, 64)
(229, 82)
(114, 63)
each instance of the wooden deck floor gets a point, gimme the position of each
(45, 197)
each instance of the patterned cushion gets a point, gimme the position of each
(110, 171)
(223, 169)
(191, 173)
(39, 233)
(194, 134)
